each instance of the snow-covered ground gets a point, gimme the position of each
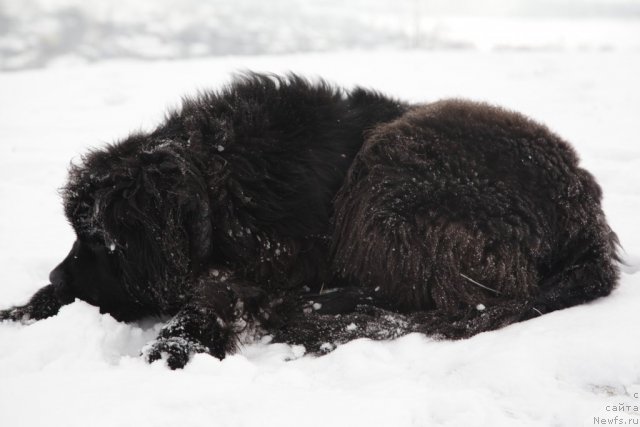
(81, 368)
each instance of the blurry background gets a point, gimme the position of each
(37, 33)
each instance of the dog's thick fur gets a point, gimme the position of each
(321, 215)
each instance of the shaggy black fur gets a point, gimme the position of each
(320, 215)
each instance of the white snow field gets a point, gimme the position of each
(579, 366)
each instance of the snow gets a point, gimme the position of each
(82, 368)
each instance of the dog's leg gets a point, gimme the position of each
(319, 332)
(320, 321)
(209, 323)
(588, 270)
(44, 303)
(195, 329)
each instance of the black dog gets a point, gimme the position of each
(320, 215)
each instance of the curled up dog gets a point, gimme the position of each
(317, 215)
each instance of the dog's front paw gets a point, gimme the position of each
(15, 314)
(175, 350)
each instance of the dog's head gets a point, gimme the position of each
(141, 215)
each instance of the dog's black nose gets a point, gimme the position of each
(62, 288)
(56, 277)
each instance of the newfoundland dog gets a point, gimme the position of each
(318, 215)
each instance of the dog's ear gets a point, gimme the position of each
(171, 190)
(157, 209)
